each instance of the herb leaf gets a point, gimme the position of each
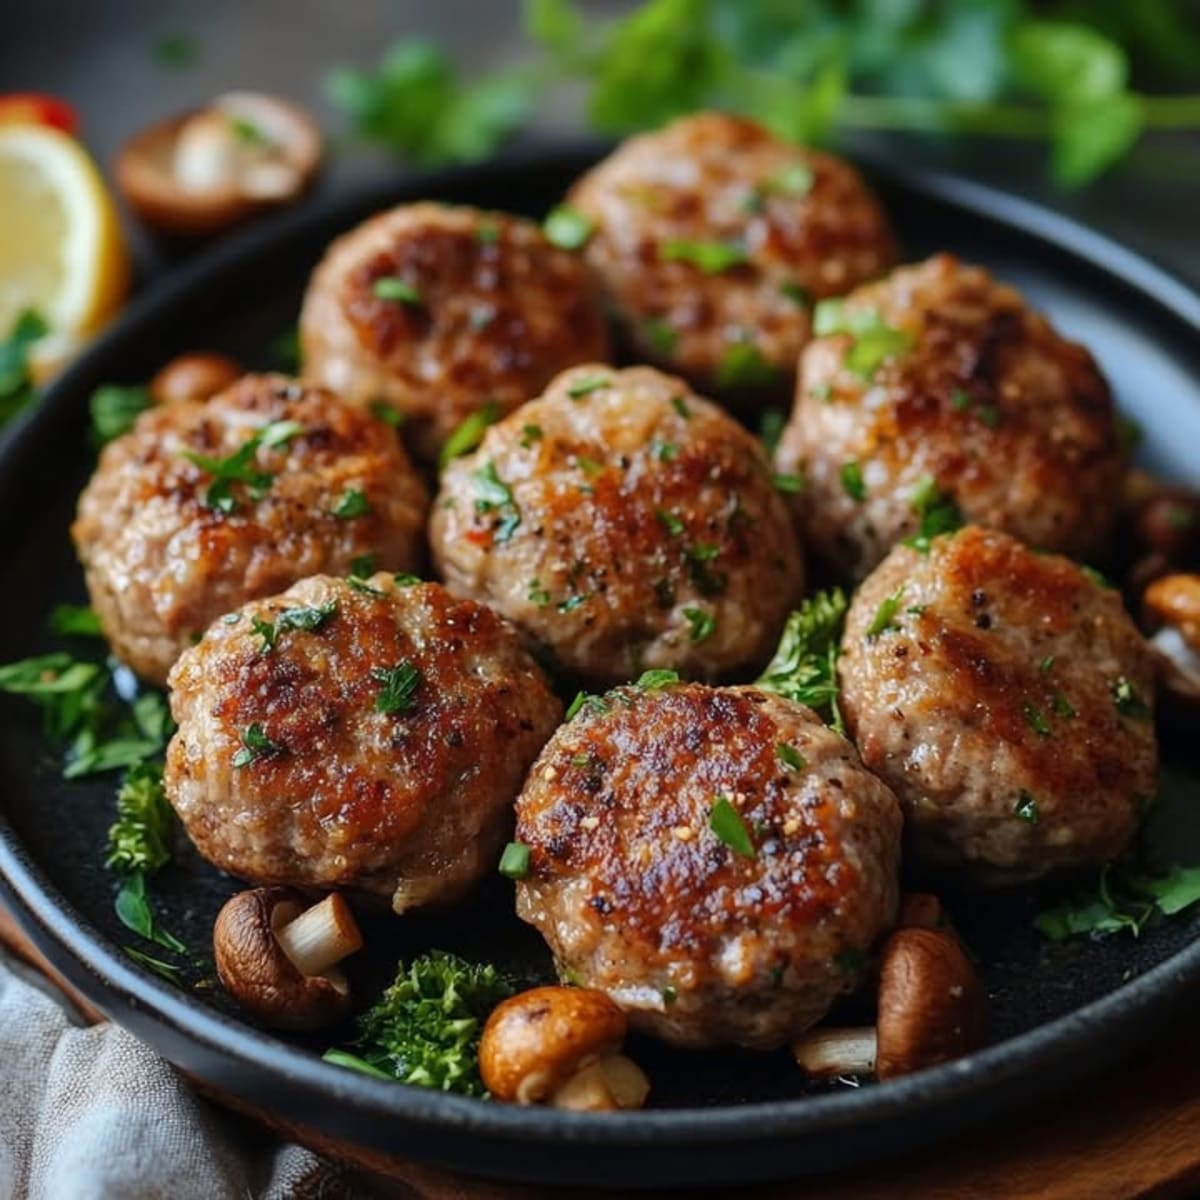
(398, 688)
(16, 382)
(727, 823)
(354, 503)
(568, 228)
(936, 511)
(114, 409)
(514, 862)
(885, 615)
(140, 838)
(804, 667)
(255, 745)
(711, 257)
(469, 433)
(492, 494)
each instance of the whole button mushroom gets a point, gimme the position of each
(931, 1010)
(277, 958)
(1172, 607)
(196, 376)
(560, 1046)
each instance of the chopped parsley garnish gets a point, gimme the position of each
(1026, 808)
(140, 838)
(794, 180)
(702, 624)
(492, 494)
(989, 414)
(176, 50)
(1062, 706)
(406, 579)
(514, 862)
(679, 404)
(804, 667)
(17, 389)
(874, 341)
(255, 745)
(398, 687)
(669, 521)
(568, 228)
(1095, 576)
(391, 287)
(885, 615)
(710, 257)
(1047, 664)
(571, 603)
(469, 432)
(852, 481)
(529, 435)
(770, 429)
(960, 401)
(241, 466)
(1036, 720)
(114, 409)
(306, 618)
(595, 704)
(1128, 702)
(248, 133)
(74, 620)
(664, 451)
(662, 336)
(362, 565)
(937, 513)
(703, 552)
(357, 584)
(727, 823)
(387, 414)
(796, 294)
(586, 385)
(589, 466)
(791, 485)
(488, 233)
(134, 912)
(656, 679)
(538, 594)
(789, 756)
(742, 365)
(354, 503)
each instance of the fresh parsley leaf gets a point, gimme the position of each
(743, 366)
(790, 485)
(134, 912)
(529, 435)
(538, 594)
(885, 615)
(662, 336)
(873, 340)
(139, 841)
(354, 503)
(568, 228)
(398, 687)
(241, 466)
(176, 50)
(406, 579)
(391, 287)
(469, 433)
(727, 823)
(74, 620)
(790, 756)
(680, 405)
(852, 481)
(492, 494)
(702, 624)
(1036, 720)
(770, 429)
(307, 618)
(362, 566)
(583, 700)
(265, 630)
(1128, 702)
(585, 385)
(670, 521)
(804, 667)
(1026, 808)
(656, 679)
(387, 414)
(255, 745)
(796, 294)
(114, 409)
(17, 389)
(937, 514)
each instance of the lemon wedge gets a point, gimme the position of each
(62, 252)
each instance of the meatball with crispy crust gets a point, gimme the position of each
(356, 734)
(1006, 697)
(712, 238)
(203, 506)
(715, 859)
(438, 311)
(939, 384)
(623, 522)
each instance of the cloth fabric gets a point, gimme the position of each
(89, 1113)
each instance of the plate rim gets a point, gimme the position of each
(68, 936)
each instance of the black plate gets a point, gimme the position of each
(1060, 1013)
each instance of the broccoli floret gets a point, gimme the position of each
(140, 840)
(425, 1028)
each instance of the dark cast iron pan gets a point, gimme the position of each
(1060, 1013)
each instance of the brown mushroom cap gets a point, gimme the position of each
(1171, 606)
(146, 168)
(258, 974)
(931, 1004)
(533, 1042)
(195, 376)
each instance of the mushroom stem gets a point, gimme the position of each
(609, 1083)
(321, 936)
(836, 1051)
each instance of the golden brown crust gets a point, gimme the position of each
(639, 896)
(411, 804)
(161, 563)
(990, 704)
(805, 222)
(1010, 420)
(496, 312)
(650, 533)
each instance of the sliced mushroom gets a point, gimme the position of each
(931, 1010)
(1171, 605)
(196, 376)
(278, 958)
(560, 1046)
(203, 171)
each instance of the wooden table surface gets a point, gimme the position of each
(1135, 1134)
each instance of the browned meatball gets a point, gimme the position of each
(438, 311)
(356, 734)
(1005, 695)
(939, 382)
(713, 238)
(715, 859)
(625, 523)
(206, 505)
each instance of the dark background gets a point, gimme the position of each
(100, 55)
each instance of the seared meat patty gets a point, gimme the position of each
(203, 506)
(715, 859)
(623, 522)
(356, 734)
(1006, 696)
(438, 311)
(712, 239)
(940, 379)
